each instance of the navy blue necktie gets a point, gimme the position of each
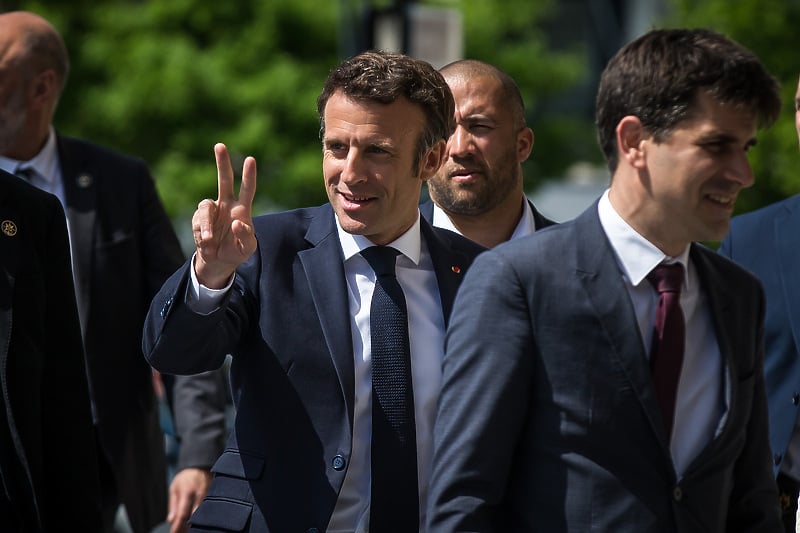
(669, 337)
(394, 495)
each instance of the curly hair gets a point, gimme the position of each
(384, 77)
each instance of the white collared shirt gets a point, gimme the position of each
(525, 226)
(426, 336)
(47, 167)
(701, 404)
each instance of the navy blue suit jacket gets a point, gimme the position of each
(548, 419)
(286, 323)
(767, 243)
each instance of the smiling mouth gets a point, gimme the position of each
(722, 200)
(355, 199)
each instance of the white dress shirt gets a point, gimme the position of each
(47, 167)
(426, 336)
(701, 405)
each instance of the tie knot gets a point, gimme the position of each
(25, 173)
(667, 278)
(382, 259)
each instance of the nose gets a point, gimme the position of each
(741, 172)
(460, 142)
(353, 169)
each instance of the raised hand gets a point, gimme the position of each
(223, 228)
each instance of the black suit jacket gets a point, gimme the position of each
(124, 247)
(548, 419)
(47, 445)
(540, 221)
(286, 322)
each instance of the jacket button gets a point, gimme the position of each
(677, 494)
(795, 398)
(777, 458)
(338, 463)
(165, 308)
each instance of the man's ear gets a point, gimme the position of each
(432, 160)
(525, 139)
(630, 136)
(43, 88)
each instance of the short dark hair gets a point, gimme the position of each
(383, 77)
(657, 78)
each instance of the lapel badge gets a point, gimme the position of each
(8, 227)
(84, 181)
(456, 269)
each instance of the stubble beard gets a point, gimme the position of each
(477, 197)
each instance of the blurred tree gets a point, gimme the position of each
(166, 80)
(767, 27)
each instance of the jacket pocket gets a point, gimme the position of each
(222, 514)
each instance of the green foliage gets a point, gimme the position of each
(768, 28)
(166, 80)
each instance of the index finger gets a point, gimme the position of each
(224, 173)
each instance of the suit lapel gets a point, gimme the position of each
(80, 191)
(448, 264)
(788, 259)
(720, 304)
(323, 264)
(599, 272)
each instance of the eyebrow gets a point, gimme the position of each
(720, 137)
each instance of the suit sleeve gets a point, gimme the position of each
(753, 504)
(486, 385)
(161, 250)
(200, 402)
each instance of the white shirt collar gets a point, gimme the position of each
(635, 254)
(44, 163)
(409, 243)
(525, 226)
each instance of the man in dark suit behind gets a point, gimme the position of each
(48, 462)
(123, 248)
(288, 296)
(478, 191)
(550, 418)
(767, 243)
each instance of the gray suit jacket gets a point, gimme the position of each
(548, 419)
(286, 322)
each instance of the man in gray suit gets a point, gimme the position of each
(555, 413)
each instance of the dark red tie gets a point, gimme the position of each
(669, 337)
